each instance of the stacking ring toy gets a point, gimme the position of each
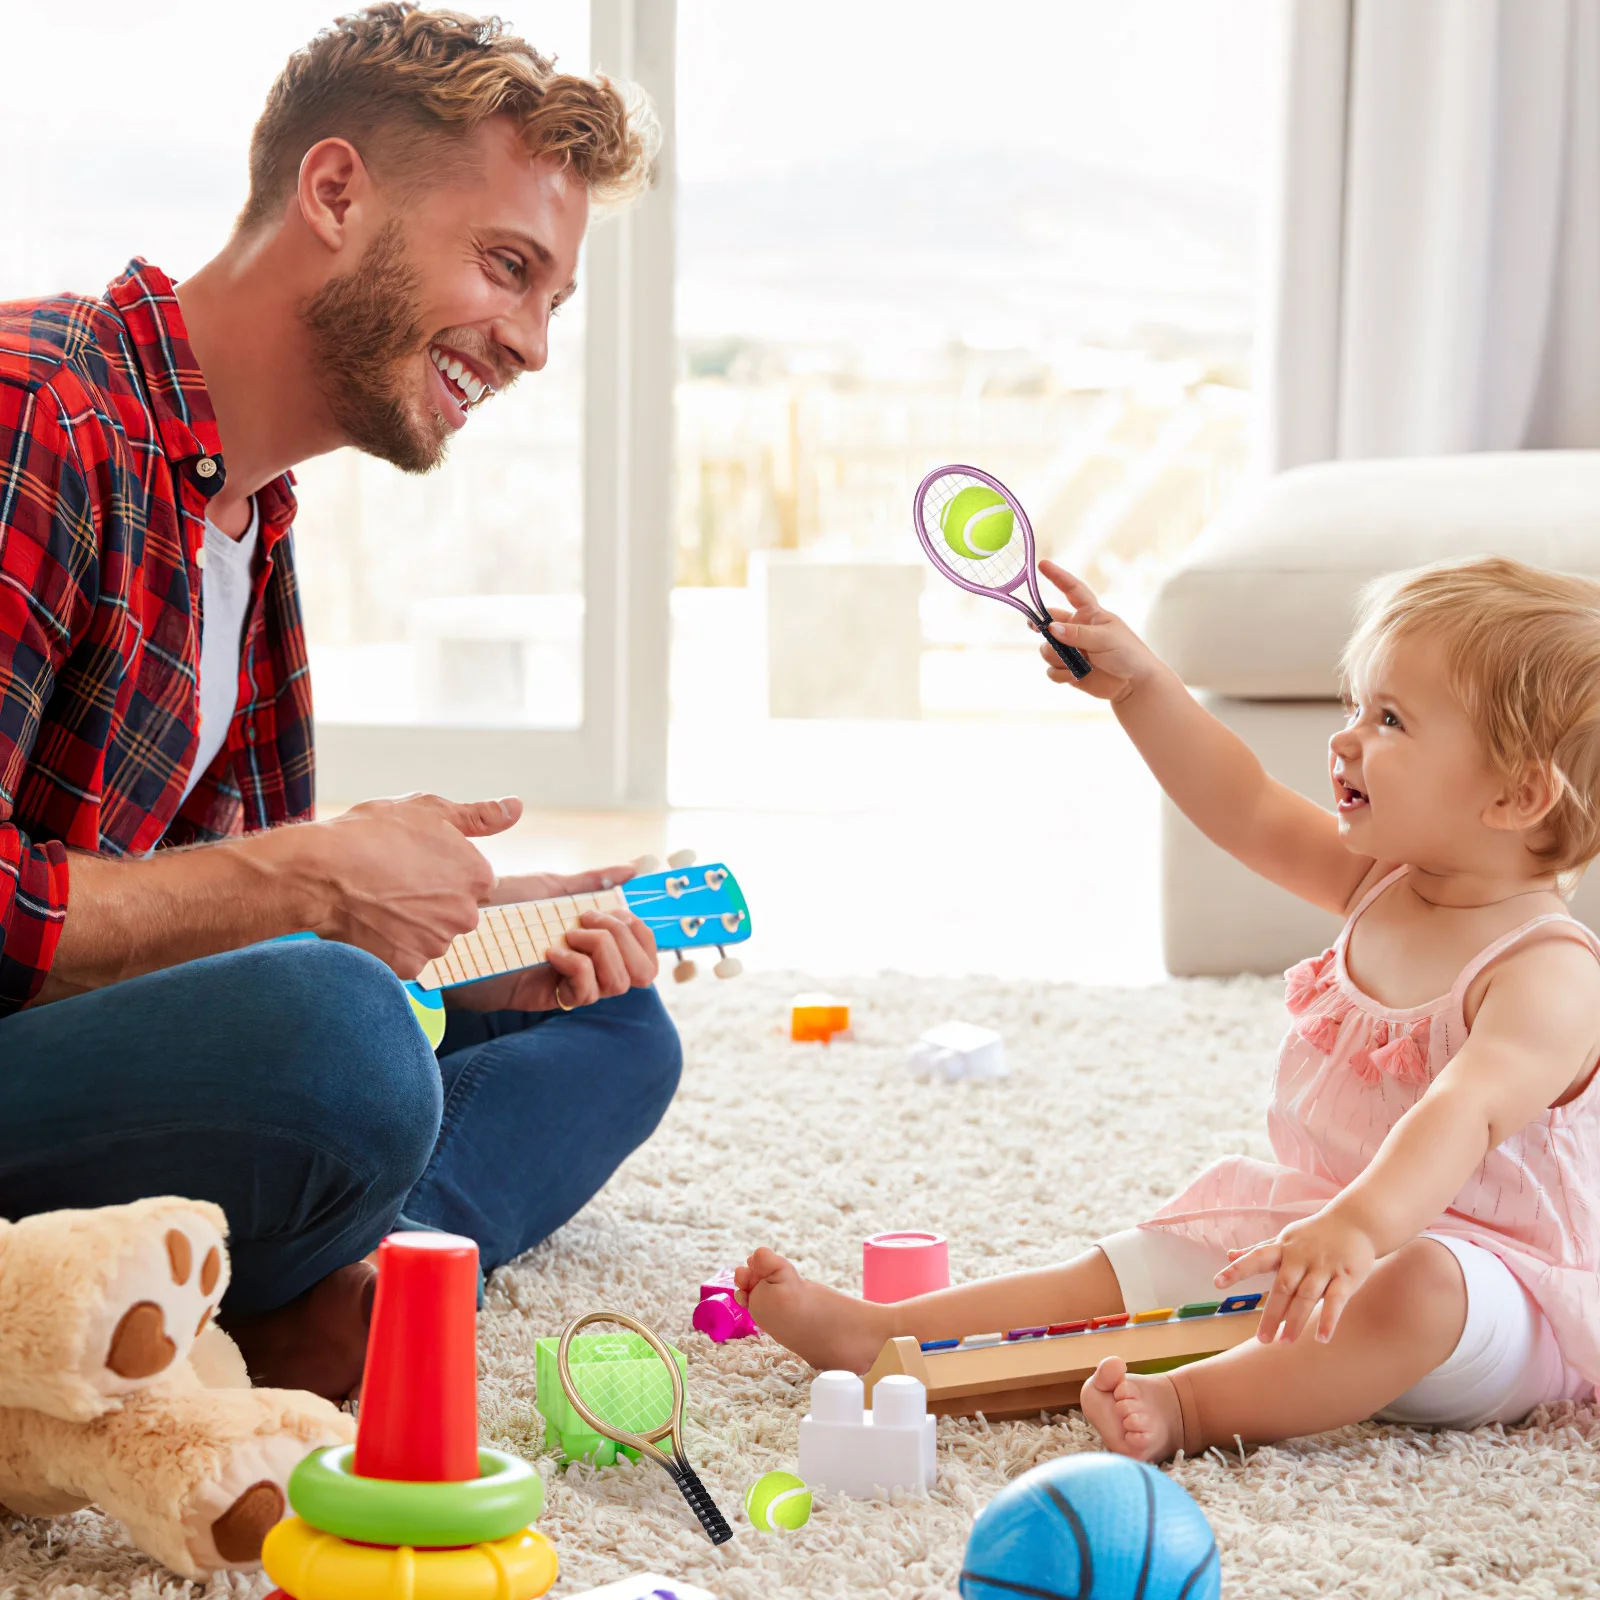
(318, 1566)
(327, 1493)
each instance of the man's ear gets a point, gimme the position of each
(1528, 801)
(334, 185)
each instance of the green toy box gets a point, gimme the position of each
(619, 1377)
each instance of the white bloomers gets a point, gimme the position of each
(1505, 1363)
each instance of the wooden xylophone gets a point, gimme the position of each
(1028, 1370)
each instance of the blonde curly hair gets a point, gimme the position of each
(404, 85)
(1522, 652)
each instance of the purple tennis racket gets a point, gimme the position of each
(973, 542)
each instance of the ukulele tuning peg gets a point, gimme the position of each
(684, 970)
(682, 858)
(647, 864)
(729, 967)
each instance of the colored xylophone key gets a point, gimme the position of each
(1057, 1330)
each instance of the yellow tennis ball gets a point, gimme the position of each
(778, 1503)
(977, 523)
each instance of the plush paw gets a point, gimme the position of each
(96, 1305)
(197, 1476)
(256, 1438)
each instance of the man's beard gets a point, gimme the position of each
(365, 331)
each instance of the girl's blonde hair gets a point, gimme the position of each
(406, 84)
(1522, 650)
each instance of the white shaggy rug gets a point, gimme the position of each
(1114, 1096)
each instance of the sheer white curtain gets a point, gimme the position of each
(1436, 284)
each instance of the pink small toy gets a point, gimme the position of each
(897, 1266)
(719, 1316)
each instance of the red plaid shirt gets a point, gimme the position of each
(108, 445)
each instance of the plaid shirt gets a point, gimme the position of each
(108, 454)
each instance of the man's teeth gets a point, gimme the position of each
(463, 377)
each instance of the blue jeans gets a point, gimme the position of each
(290, 1084)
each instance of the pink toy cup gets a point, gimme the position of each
(897, 1266)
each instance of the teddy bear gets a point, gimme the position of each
(116, 1390)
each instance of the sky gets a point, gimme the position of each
(1177, 87)
(146, 150)
(1164, 85)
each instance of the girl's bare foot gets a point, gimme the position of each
(1135, 1415)
(832, 1331)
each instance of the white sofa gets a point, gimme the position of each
(1256, 616)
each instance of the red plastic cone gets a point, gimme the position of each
(419, 1393)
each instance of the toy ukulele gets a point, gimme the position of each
(687, 907)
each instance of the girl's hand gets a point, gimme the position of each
(1120, 658)
(1322, 1258)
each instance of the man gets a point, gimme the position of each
(419, 188)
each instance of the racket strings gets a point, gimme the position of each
(626, 1384)
(999, 571)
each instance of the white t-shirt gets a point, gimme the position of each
(224, 600)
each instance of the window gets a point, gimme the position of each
(453, 598)
(1013, 235)
(1017, 235)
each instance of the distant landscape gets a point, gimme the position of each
(896, 250)
(876, 255)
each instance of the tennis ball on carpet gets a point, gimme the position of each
(1092, 1527)
(778, 1503)
(977, 523)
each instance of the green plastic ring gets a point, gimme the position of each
(325, 1492)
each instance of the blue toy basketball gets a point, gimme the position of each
(1091, 1527)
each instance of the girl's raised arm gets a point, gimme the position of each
(1212, 776)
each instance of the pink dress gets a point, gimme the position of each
(1349, 1069)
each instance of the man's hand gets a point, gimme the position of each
(1120, 658)
(610, 954)
(398, 878)
(1323, 1258)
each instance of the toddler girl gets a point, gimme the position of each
(1428, 1236)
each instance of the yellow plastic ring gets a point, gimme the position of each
(312, 1565)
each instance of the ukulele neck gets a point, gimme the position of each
(509, 938)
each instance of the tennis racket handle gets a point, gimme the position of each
(1075, 661)
(703, 1506)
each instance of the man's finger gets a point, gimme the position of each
(576, 972)
(594, 881)
(638, 962)
(478, 818)
(600, 946)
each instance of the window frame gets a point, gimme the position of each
(617, 756)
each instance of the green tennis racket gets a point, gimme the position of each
(624, 1410)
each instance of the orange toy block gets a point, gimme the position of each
(818, 1018)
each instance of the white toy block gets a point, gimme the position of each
(846, 1449)
(958, 1050)
(646, 1586)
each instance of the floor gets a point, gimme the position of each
(1023, 848)
(814, 1148)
